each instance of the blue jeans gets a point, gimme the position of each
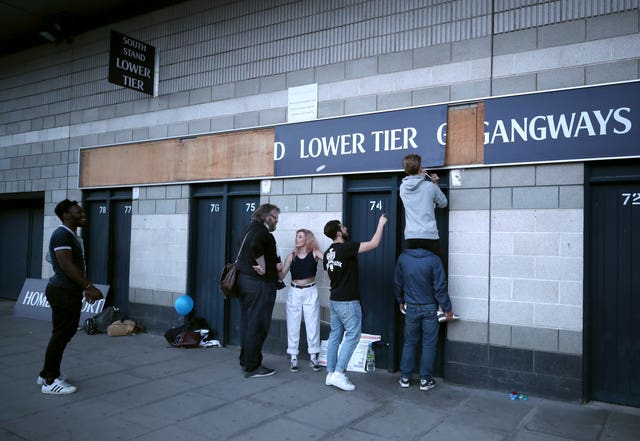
(345, 317)
(420, 320)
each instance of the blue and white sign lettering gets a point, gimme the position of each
(364, 143)
(586, 123)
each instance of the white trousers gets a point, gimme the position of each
(303, 301)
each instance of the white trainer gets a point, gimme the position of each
(40, 380)
(340, 380)
(327, 380)
(442, 317)
(58, 387)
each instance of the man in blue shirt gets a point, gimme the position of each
(420, 287)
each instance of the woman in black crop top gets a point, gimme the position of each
(302, 297)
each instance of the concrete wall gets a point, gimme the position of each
(516, 234)
(305, 203)
(516, 258)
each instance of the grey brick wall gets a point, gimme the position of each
(515, 257)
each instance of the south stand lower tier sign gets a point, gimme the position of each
(131, 63)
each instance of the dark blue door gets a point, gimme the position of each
(219, 214)
(366, 199)
(208, 247)
(107, 241)
(613, 283)
(21, 224)
(240, 210)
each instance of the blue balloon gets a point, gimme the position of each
(184, 305)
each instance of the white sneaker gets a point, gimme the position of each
(340, 380)
(327, 380)
(58, 387)
(442, 317)
(40, 380)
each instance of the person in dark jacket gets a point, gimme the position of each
(258, 267)
(420, 287)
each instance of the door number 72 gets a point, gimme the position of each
(631, 198)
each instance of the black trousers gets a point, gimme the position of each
(257, 298)
(66, 305)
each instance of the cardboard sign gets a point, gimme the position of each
(358, 360)
(32, 302)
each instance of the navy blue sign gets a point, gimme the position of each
(364, 143)
(593, 122)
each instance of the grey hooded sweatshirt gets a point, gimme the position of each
(420, 197)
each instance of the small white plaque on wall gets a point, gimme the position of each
(456, 178)
(302, 103)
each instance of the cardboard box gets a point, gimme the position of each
(358, 361)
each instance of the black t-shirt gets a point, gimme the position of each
(341, 262)
(64, 239)
(259, 242)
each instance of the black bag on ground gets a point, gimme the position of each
(184, 336)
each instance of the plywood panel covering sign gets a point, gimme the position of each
(465, 139)
(246, 154)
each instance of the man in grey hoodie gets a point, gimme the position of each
(420, 195)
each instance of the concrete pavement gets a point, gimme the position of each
(139, 388)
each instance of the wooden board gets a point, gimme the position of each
(235, 155)
(465, 135)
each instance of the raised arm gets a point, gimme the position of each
(377, 236)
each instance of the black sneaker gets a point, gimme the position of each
(293, 367)
(427, 384)
(313, 364)
(259, 372)
(404, 382)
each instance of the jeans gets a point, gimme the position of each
(66, 305)
(420, 320)
(345, 317)
(257, 298)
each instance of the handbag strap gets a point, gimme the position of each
(242, 244)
